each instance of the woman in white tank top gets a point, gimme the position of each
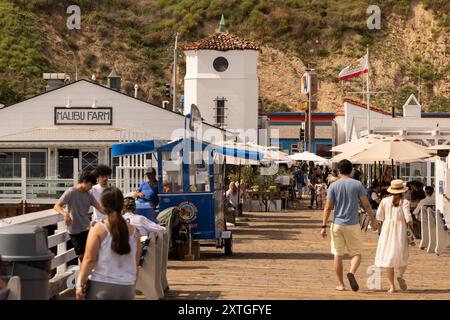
(112, 255)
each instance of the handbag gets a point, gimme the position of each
(410, 235)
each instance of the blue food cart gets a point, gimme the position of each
(193, 182)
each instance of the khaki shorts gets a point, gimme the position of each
(346, 237)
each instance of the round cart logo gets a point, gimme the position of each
(188, 211)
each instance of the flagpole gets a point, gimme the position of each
(368, 93)
(174, 76)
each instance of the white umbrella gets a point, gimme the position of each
(307, 156)
(392, 149)
(271, 154)
(346, 155)
(440, 149)
(358, 144)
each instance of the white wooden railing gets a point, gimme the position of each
(35, 190)
(434, 231)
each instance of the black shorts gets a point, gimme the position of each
(79, 242)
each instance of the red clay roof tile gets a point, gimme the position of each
(222, 41)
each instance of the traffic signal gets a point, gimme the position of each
(302, 132)
(167, 90)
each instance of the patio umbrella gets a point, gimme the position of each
(348, 154)
(392, 150)
(273, 154)
(307, 156)
(441, 150)
(358, 144)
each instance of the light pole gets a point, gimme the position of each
(174, 85)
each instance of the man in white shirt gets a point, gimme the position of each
(103, 173)
(143, 224)
(429, 200)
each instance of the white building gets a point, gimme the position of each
(78, 120)
(221, 79)
(425, 128)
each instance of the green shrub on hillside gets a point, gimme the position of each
(22, 59)
(90, 60)
(7, 94)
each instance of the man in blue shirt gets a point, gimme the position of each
(344, 196)
(148, 191)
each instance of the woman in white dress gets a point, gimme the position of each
(393, 247)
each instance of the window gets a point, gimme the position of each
(89, 160)
(114, 163)
(220, 112)
(10, 164)
(405, 170)
(172, 172)
(220, 64)
(294, 148)
(198, 173)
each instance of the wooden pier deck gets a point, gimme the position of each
(281, 255)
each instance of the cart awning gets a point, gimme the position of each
(149, 146)
(240, 153)
(130, 148)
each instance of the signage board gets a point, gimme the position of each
(305, 83)
(83, 116)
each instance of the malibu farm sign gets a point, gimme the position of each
(83, 116)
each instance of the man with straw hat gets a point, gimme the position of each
(344, 196)
(392, 250)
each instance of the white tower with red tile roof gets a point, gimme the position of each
(221, 79)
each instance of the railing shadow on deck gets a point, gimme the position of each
(272, 256)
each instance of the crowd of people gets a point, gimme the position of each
(108, 243)
(315, 180)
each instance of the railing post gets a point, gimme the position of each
(428, 173)
(75, 171)
(24, 178)
(62, 247)
(126, 178)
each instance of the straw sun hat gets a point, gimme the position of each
(397, 187)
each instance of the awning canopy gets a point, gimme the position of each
(239, 153)
(130, 148)
(148, 146)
